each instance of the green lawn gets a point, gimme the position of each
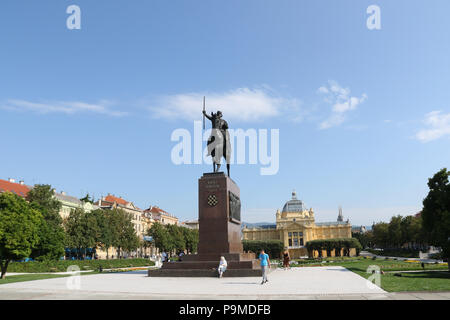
(29, 277)
(361, 264)
(414, 281)
(62, 265)
(39, 276)
(417, 281)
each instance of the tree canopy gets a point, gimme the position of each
(398, 232)
(436, 211)
(173, 238)
(19, 229)
(51, 232)
(81, 230)
(123, 234)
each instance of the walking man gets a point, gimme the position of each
(265, 265)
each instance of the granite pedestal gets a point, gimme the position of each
(219, 234)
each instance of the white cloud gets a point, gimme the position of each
(439, 126)
(341, 101)
(240, 104)
(323, 90)
(332, 121)
(67, 107)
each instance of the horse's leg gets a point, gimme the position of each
(228, 169)
(218, 167)
(214, 166)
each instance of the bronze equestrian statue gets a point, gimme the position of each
(219, 141)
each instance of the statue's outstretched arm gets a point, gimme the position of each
(206, 115)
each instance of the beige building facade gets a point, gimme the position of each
(295, 226)
(161, 216)
(69, 203)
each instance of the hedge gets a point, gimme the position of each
(273, 248)
(62, 265)
(333, 244)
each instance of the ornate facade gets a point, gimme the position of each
(295, 226)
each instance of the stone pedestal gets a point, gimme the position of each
(219, 234)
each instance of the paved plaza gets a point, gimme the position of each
(296, 283)
(314, 283)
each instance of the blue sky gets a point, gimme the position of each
(93, 110)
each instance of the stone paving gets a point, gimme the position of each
(313, 283)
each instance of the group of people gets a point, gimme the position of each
(165, 257)
(264, 262)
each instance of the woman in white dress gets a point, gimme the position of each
(222, 266)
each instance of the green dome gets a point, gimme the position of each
(294, 205)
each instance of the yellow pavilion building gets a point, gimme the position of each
(295, 226)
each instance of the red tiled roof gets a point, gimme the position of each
(17, 188)
(113, 199)
(157, 210)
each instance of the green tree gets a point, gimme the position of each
(273, 248)
(417, 232)
(315, 245)
(51, 231)
(42, 195)
(82, 231)
(380, 234)
(105, 236)
(366, 240)
(190, 239)
(176, 237)
(130, 241)
(19, 229)
(363, 238)
(124, 237)
(357, 245)
(161, 237)
(337, 245)
(395, 232)
(347, 244)
(87, 198)
(405, 228)
(328, 246)
(51, 242)
(436, 212)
